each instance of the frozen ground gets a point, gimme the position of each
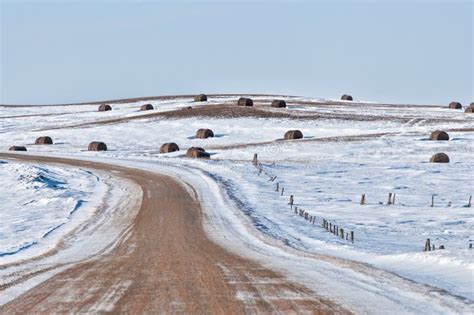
(40, 204)
(327, 177)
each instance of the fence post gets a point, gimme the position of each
(389, 202)
(255, 160)
(469, 203)
(362, 199)
(352, 236)
(277, 187)
(282, 190)
(330, 227)
(393, 199)
(432, 200)
(296, 210)
(427, 245)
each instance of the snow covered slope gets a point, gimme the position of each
(40, 204)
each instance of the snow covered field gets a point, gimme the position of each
(325, 172)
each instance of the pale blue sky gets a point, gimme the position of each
(391, 51)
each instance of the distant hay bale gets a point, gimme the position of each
(196, 152)
(169, 147)
(455, 105)
(44, 140)
(104, 107)
(440, 158)
(200, 98)
(204, 133)
(346, 97)
(469, 109)
(97, 146)
(17, 148)
(146, 107)
(279, 103)
(439, 135)
(293, 134)
(244, 101)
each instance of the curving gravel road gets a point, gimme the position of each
(166, 265)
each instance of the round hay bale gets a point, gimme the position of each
(279, 103)
(469, 109)
(200, 98)
(439, 135)
(169, 147)
(44, 140)
(17, 148)
(146, 107)
(97, 146)
(293, 134)
(196, 152)
(204, 133)
(244, 101)
(104, 107)
(455, 105)
(440, 158)
(346, 97)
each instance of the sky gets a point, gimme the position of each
(416, 52)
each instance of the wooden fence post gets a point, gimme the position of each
(432, 200)
(255, 160)
(330, 227)
(352, 236)
(469, 203)
(389, 202)
(282, 190)
(342, 233)
(427, 245)
(362, 199)
(291, 200)
(277, 187)
(393, 199)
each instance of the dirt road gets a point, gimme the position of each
(168, 265)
